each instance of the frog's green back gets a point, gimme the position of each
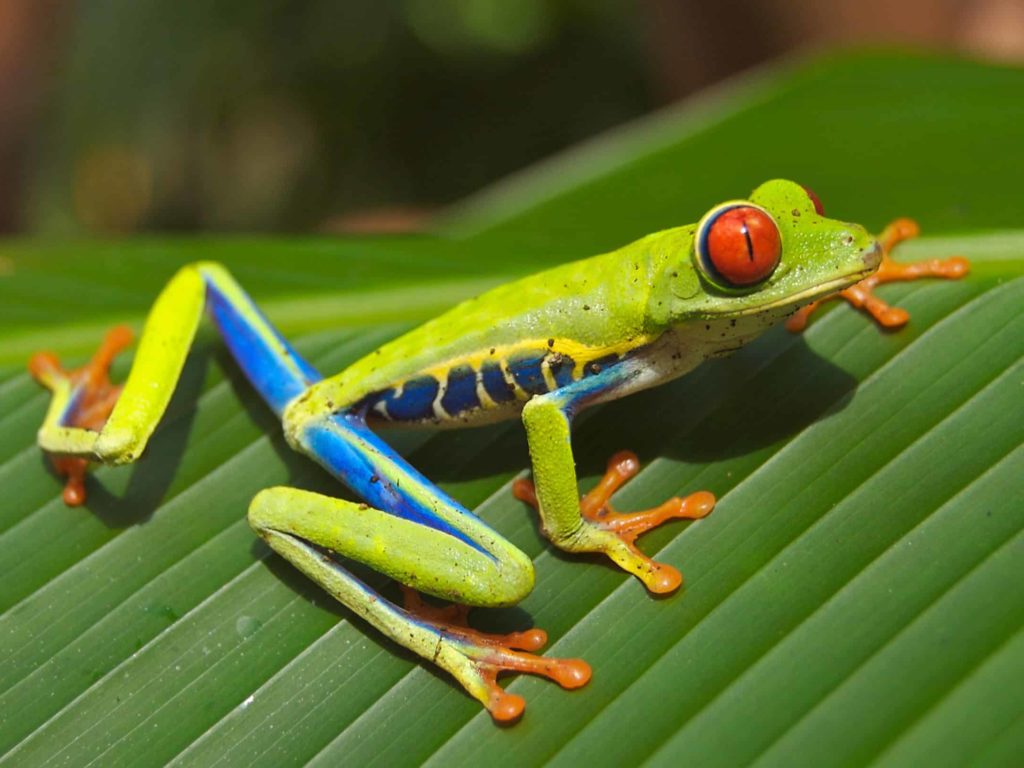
(584, 311)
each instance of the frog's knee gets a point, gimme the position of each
(514, 580)
(265, 509)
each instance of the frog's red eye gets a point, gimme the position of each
(818, 207)
(739, 245)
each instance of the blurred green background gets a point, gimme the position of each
(369, 115)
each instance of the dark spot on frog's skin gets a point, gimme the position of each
(707, 327)
(796, 212)
(848, 239)
(551, 342)
(732, 323)
(586, 307)
(492, 350)
(374, 479)
(675, 274)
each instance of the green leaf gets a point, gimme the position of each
(853, 598)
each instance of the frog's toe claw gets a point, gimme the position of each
(486, 655)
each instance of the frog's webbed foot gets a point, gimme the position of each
(862, 294)
(614, 533)
(488, 655)
(83, 398)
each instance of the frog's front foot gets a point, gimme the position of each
(862, 294)
(84, 398)
(484, 656)
(605, 530)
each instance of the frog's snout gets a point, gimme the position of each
(872, 255)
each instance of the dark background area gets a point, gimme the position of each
(366, 115)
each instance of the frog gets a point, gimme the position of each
(541, 349)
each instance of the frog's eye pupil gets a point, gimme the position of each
(818, 207)
(741, 245)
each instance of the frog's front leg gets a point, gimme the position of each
(862, 295)
(589, 524)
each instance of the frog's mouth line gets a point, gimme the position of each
(871, 257)
(794, 301)
(820, 291)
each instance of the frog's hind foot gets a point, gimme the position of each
(614, 533)
(84, 398)
(862, 294)
(487, 655)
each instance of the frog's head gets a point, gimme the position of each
(763, 258)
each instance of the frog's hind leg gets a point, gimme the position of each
(92, 420)
(409, 529)
(862, 294)
(306, 528)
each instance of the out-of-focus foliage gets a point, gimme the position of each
(226, 115)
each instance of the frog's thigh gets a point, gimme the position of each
(298, 523)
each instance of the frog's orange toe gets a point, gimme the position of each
(862, 295)
(92, 398)
(490, 655)
(74, 470)
(614, 533)
(506, 707)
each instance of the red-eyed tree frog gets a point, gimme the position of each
(542, 348)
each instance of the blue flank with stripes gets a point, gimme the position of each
(562, 367)
(527, 372)
(460, 393)
(499, 390)
(416, 401)
(342, 443)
